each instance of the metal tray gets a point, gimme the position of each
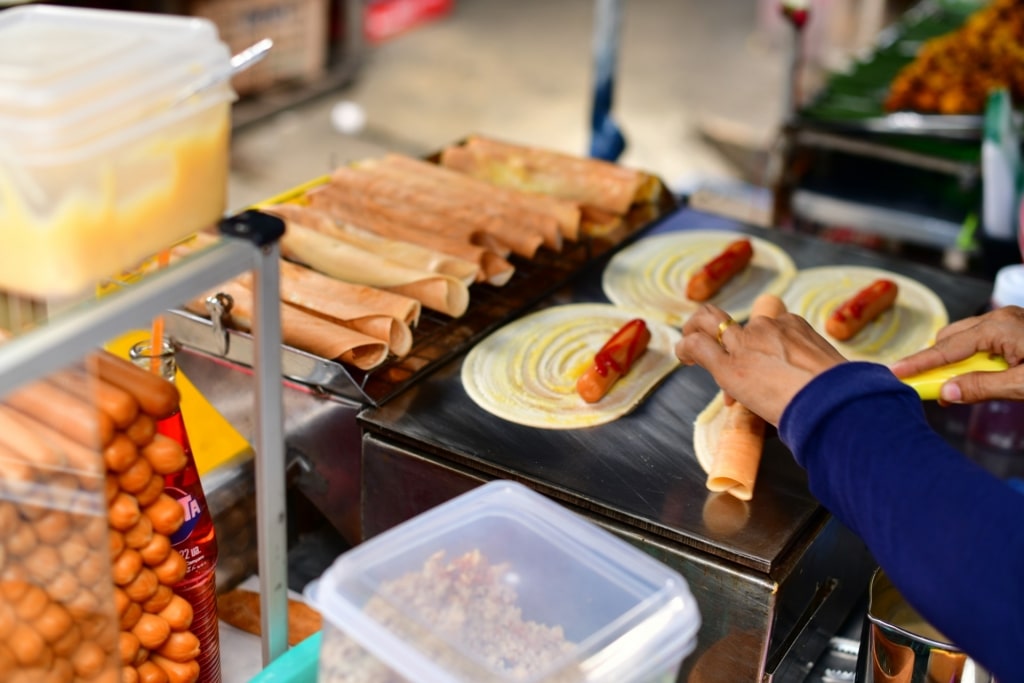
(852, 101)
(437, 337)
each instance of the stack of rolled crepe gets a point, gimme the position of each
(353, 256)
(420, 233)
(406, 199)
(603, 191)
(355, 324)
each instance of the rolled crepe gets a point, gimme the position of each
(565, 213)
(405, 253)
(403, 225)
(464, 192)
(349, 301)
(340, 260)
(729, 440)
(321, 296)
(380, 314)
(302, 330)
(452, 217)
(592, 182)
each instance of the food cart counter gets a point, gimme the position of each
(775, 577)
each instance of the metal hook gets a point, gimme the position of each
(219, 307)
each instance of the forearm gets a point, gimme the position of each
(946, 532)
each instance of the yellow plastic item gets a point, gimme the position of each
(294, 195)
(214, 441)
(928, 383)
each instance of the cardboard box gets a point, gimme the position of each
(297, 27)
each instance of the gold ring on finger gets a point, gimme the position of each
(722, 326)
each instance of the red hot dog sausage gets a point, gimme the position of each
(855, 313)
(706, 282)
(155, 395)
(614, 360)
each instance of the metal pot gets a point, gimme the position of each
(899, 646)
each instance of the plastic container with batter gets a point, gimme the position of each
(103, 162)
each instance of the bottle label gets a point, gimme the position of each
(192, 510)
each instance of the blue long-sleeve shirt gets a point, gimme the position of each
(947, 533)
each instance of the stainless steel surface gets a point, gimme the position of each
(209, 336)
(69, 334)
(950, 126)
(898, 645)
(642, 468)
(765, 566)
(900, 225)
(271, 514)
(966, 173)
(321, 438)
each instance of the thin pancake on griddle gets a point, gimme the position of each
(526, 372)
(909, 326)
(651, 274)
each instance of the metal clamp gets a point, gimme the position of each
(219, 307)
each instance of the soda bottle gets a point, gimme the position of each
(196, 540)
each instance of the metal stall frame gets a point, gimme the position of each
(249, 243)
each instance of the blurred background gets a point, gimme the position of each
(699, 85)
(705, 96)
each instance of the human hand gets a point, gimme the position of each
(762, 364)
(1000, 331)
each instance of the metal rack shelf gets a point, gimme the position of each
(249, 243)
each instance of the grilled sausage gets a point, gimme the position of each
(855, 313)
(614, 360)
(706, 282)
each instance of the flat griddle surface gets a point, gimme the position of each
(640, 470)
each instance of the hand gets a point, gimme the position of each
(1000, 331)
(762, 364)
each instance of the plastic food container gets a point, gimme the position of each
(57, 604)
(501, 584)
(103, 162)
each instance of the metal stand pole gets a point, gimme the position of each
(264, 230)
(606, 139)
(798, 13)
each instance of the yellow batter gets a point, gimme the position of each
(122, 207)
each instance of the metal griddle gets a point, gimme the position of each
(762, 571)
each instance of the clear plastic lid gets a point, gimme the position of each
(68, 74)
(502, 584)
(49, 54)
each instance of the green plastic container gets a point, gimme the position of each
(297, 665)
